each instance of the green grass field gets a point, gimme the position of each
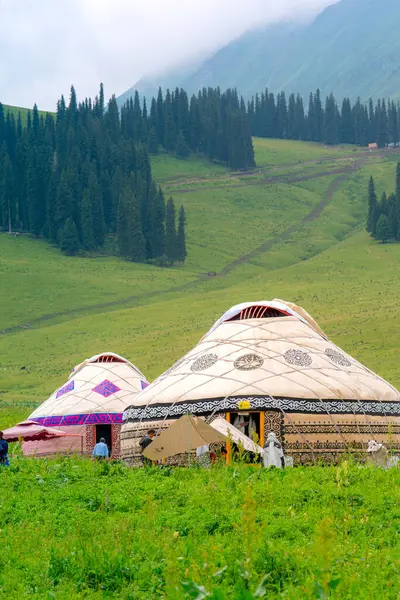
(74, 529)
(294, 231)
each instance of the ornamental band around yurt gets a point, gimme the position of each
(89, 405)
(267, 366)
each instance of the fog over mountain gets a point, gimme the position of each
(48, 45)
(350, 48)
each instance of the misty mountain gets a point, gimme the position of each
(351, 49)
(148, 86)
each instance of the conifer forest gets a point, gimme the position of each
(82, 178)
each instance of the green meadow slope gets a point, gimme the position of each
(294, 228)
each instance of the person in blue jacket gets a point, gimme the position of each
(100, 451)
(3, 451)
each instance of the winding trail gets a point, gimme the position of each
(281, 237)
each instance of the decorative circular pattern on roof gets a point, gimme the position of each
(248, 362)
(204, 362)
(337, 357)
(297, 358)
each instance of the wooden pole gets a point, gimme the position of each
(262, 426)
(188, 423)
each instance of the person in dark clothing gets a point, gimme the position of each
(144, 442)
(3, 451)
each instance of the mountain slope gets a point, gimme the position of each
(351, 48)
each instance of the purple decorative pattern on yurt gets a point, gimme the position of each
(69, 387)
(87, 419)
(106, 388)
(144, 384)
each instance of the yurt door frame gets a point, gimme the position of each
(251, 412)
(105, 431)
(262, 426)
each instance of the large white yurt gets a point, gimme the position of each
(89, 405)
(267, 366)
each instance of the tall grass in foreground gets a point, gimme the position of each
(71, 528)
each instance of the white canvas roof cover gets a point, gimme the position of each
(183, 435)
(97, 391)
(283, 363)
(229, 431)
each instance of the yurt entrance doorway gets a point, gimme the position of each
(249, 423)
(104, 431)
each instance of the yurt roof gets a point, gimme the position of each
(274, 355)
(97, 391)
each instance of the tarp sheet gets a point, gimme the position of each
(228, 430)
(187, 433)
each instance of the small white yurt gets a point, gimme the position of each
(89, 405)
(268, 367)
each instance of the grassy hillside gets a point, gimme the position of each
(291, 229)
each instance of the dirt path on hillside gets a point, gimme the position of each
(284, 235)
(267, 170)
(279, 238)
(273, 180)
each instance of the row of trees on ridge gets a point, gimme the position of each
(220, 126)
(323, 121)
(212, 123)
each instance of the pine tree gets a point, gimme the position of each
(7, 195)
(170, 233)
(346, 132)
(69, 239)
(372, 207)
(152, 144)
(392, 215)
(181, 253)
(382, 124)
(160, 118)
(194, 124)
(157, 241)
(137, 241)
(383, 229)
(87, 237)
(397, 194)
(330, 121)
(319, 116)
(372, 122)
(170, 133)
(96, 200)
(131, 242)
(182, 149)
(101, 100)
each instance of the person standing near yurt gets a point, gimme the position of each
(144, 442)
(100, 451)
(3, 451)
